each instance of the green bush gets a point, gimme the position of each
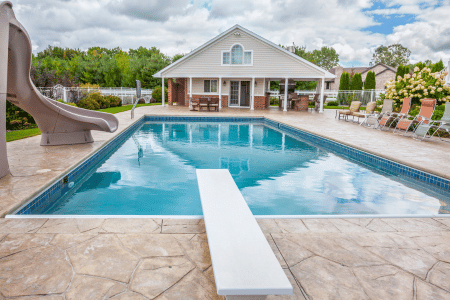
(97, 97)
(89, 103)
(332, 103)
(356, 82)
(370, 82)
(157, 94)
(114, 101)
(17, 118)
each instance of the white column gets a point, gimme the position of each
(321, 95)
(285, 94)
(163, 96)
(252, 106)
(190, 93)
(220, 95)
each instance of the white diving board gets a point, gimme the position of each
(243, 262)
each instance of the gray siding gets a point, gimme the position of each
(267, 61)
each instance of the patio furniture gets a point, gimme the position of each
(370, 111)
(195, 104)
(244, 264)
(313, 101)
(424, 117)
(213, 104)
(203, 103)
(384, 121)
(442, 125)
(354, 107)
(388, 105)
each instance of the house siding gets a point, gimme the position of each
(198, 86)
(267, 61)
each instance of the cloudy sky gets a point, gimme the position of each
(353, 27)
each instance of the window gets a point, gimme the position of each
(210, 86)
(237, 56)
(328, 85)
(226, 58)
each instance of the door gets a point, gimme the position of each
(240, 93)
(245, 93)
(234, 93)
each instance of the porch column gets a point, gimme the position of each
(252, 105)
(163, 96)
(220, 95)
(285, 93)
(321, 94)
(190, 93)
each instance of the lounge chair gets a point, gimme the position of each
(384, 124)
(214, 104)
(424, 117)
(370, 111)
(388, 106)
(203, 103)
(354, 107)
(442, 125)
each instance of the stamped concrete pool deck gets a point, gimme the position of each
(169, 259)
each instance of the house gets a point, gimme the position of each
(237, 66)
(383, 73)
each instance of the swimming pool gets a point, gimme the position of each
(151, 171)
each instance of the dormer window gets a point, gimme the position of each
(237, 56)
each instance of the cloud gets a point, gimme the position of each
(181, 26)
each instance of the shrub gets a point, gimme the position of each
(332, 103)
(356, 84)
(102, 101)
(17, 118)
(114, 101)
(370, 83)
(157, 94)
(89, 103)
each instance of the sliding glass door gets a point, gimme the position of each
(240, 93)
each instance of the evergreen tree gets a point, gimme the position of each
(400, 72)
(356, 84)
(344, 83)
(370, 83)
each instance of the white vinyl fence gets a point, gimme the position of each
(75, 94)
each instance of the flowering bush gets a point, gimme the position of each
(420, 85)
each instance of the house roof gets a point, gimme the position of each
(223, 34)
(363, 70)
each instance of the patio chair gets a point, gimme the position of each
(388, 106)
(354, 107)
(384, 124)
(442, 125)
(314, 101)
(214, 104)
(370, 111)
(195, 104)
(203, 103)
(424, 117)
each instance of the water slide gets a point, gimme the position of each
(59, 123)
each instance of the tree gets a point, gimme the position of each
(356, 84)
(401, 71)
(325, 58)
(370, 82)
(392, 55)
(177, 57)
(437, 67)
(344, 83)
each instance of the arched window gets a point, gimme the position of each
(237, 54)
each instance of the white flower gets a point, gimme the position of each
(439, 89)
(416, 69)
(432, 92)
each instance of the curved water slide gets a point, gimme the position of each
(59, 123)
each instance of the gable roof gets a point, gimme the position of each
(225, 33)
(380, 64)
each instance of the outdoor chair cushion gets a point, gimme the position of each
(403, 124)
(359, 114)
(345, 112)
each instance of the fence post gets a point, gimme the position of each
(371, 95)
(64, 95)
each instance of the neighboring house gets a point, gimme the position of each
(237, 66)
(383, 73)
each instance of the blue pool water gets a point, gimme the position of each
(153, 173)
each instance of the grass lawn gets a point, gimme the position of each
(21, 134)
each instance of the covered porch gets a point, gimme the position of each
(249, 92)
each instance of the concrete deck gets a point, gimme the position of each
(169, 259)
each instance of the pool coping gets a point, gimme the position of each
(51, 186)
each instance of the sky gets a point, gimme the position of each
(355, 28)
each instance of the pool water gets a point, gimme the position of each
(153, 173)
